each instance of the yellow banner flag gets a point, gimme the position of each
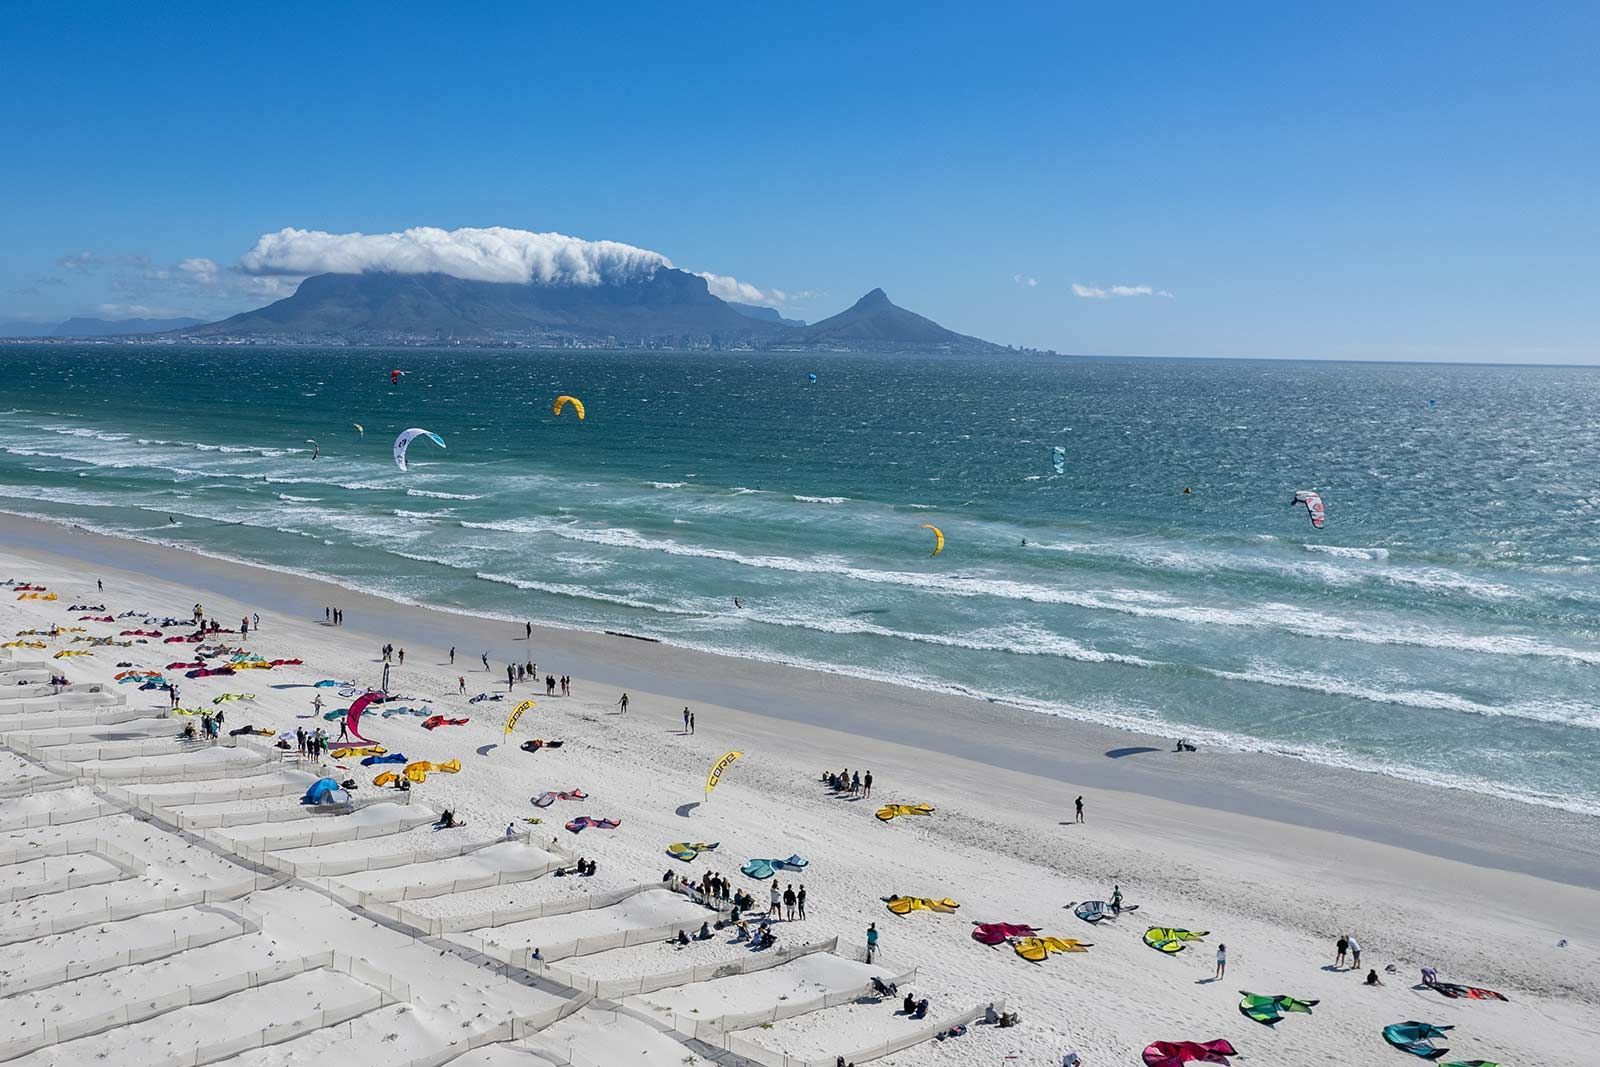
(723, 762)
(516, 713)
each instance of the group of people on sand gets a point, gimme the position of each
(311, 743)
(1348, 948)
(848, 783)
(330, 617)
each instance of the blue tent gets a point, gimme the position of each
(324, 791)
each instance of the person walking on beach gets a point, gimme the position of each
(244, 627)
(98, 584)
(511, 678)
(623, 703)
(788, 902)
(327, 615)
(1116, 900)
(402, 657)
(344, 728)
(461, 684)
(485, 658)
(1222, 960)
(255, 620)
(800, 901)
(872, 941)
(316, 704)
(691, 722)
(1078, 806)
(300, 739)
(776, 909)
(1343, 945)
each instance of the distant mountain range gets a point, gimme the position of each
(667, 309)
(86, 327)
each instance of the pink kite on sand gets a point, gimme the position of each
(352, 718)
(999, 933)
(1178, 1053)
(583, 822)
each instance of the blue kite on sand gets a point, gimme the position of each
(392, 757)
(768, 868)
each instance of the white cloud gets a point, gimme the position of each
(1095, 292)
(492, 254)
(135, 311)
(200, 269)
(1022, 279)
(725, 288)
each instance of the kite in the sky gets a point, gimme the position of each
(403, 442)
(360, 429)
(316, 449)
(1313, 505)
(395, 376)
(577, 405)
(1059, 460)
(938, 539)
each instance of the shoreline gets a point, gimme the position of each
(1434, 821)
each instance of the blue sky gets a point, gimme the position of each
(1417, 181)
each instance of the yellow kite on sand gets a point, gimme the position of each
(889, 811)
(36, 596)
(724, 761)
(23, 644)
(516, 713)
(907, 905)
(1037, 948)
(418, 771)
(356, 751)
(69, 652)
(688, 850)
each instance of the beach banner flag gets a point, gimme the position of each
(516, 713)
(724, 761)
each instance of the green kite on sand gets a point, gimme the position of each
(1170, 939)
(1416, 1038)
(1269, 1010)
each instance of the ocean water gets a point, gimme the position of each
(1441, 628)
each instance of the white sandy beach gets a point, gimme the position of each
(1272, 858)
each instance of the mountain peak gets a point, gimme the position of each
(875, 299)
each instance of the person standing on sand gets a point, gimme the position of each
(691, 722)
(623, 703)
(1116, 900)
(327, 615)
(866, 784)
(344, 728)
(800, 901)
(686, 719)
(1078, 806)
(255, 620)
(461, 684)
(98, 584)
(402, 657)
(1222, 960)
(1343, 945)
(1355, 953)
(452, 655)
(527, 630)
(788, 902)
(872, 941)
(511, 678)
(485, 658)
(777, 901)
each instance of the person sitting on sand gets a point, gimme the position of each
(882, 988)
(922, 1011)
(705, 932)
(1430, 977)
(682, 939)
(909, 1005)
(1373, 979)
(447, 820)
(991, 1016)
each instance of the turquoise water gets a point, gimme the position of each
(1441, 628)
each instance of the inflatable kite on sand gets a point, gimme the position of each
(544, 800)
(1170, 940)
(686, 850)
(1037, 949)
(388, 757)
(1466, 992)
(433, 722)
(907, 905)
(767, 868)
(890, 811)
(1416, 1038)
(342, 752)
(1178, 1053)
(1269, 1010)
(1093, 911)
(352, 718)
(999, 933)
(584, 822)
(418, 771)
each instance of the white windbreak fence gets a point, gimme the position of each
(161, 901)
(80, 699)
(120, 864)
(236, 925)
(617, 988)
(109, 713)
(479, 920)
(45, 1034)
(57, 817)
(320, 834)
(746, 1049)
